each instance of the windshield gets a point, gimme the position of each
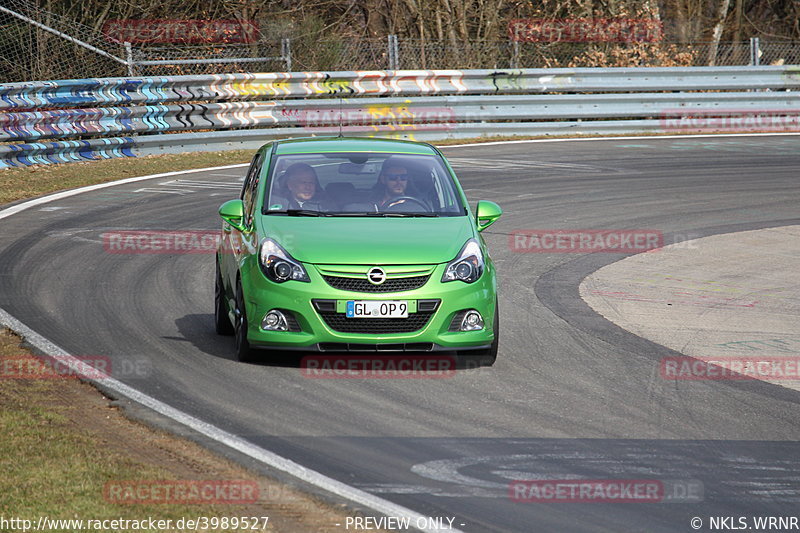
(361, 184)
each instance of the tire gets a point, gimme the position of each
(491, 354)
(468, 359)
(222, 323)
(244, 353)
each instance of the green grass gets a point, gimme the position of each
(28, 182)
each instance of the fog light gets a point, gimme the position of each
(472, 321)
(274, 320)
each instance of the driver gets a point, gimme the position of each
(301, 183)
(392, 183)
(301, 180)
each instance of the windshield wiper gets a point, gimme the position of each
(299, 213)
(356, 214)
(379, 214)
(410, 214)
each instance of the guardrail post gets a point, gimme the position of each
(286, 53)
(755, 52)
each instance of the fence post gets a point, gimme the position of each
(286, 53)
(515, 54)
(129, 58)
(394, 52)
(755, 52)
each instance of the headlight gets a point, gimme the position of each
(468, 264)
(278, 265)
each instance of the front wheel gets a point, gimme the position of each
(222, 323)
(491, 353)
(244, 352)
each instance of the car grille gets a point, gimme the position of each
(363, 285)
(339, 322)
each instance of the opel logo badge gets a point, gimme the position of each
(376, 275)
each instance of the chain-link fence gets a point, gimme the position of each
(414, 54)
(38, 45)
(776, 53)
(209, 59)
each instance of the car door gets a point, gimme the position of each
(248, 239)
(234, 242)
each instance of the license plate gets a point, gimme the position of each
(377, 309)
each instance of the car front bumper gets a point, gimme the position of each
(315, 334)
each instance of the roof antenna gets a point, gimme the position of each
(340, 117)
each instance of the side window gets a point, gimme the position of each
(248, 177)
(250, 186)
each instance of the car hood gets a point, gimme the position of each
(369, 240)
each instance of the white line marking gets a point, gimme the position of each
(166, 191)
(623, 138)
(197, 183)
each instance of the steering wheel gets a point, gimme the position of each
(403, 201)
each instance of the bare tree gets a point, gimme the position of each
(716, 33)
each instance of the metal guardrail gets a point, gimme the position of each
(419, 113)
(124, 117)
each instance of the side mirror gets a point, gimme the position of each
(232, 212)
(487, 213)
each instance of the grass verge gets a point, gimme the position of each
(28, 182)
(66, 451)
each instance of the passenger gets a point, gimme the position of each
(301, 184)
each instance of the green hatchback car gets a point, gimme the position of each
(351, 245)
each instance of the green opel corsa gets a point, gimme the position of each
(345, 245)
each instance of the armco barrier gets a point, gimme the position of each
(71, 120)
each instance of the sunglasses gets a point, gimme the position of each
(395, 177)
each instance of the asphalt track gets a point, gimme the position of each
(572, 396)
